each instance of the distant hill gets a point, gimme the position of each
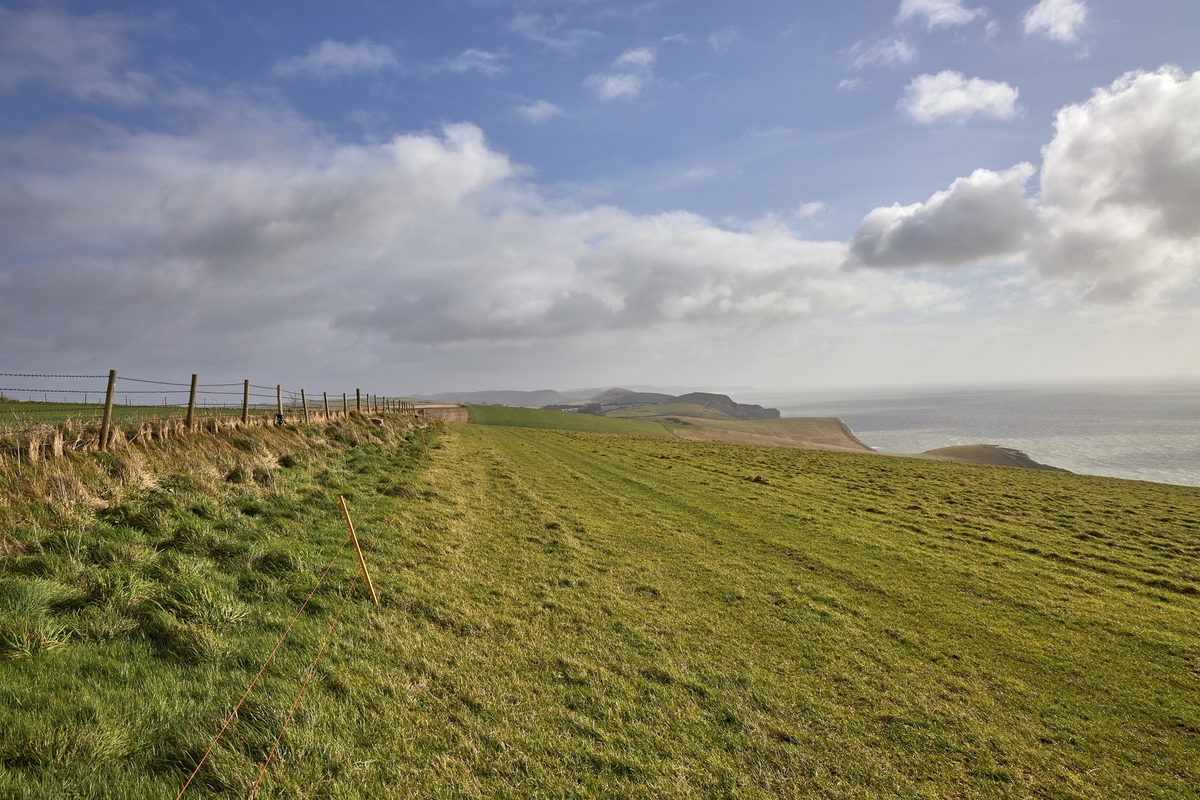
(625, 398)
(725, 405)
(987, 454)
(503, 397)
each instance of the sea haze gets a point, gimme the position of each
(1148, 433)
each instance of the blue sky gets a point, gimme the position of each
(468, 195)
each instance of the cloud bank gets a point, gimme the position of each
(1118, 214)
(82, 56)
(266, 235)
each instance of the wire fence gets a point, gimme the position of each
(28, 398)
(44, 415)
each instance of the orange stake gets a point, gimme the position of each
(361, 562)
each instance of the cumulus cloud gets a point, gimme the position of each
(82, 56)
(262, 234)
(331, 59)
(1121, 188)
(939, 13)
(539, 111)
(952, 97)
(885, 53)
(628, 74)
(1119, 209)
(850, 84)
(1060, 20)
(979, 217)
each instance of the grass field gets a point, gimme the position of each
(668, 409)
(567, 613)
(511, 416)
(25, 413)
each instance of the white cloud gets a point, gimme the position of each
(1060, 20)
(481, 61)
(951, 97)
(885, 53)
(983, 216)
(331, 59)
(720, 41)
(1119, 212)
(630, 71)
(539, 111)
(939, 13)
(551, 34)
(79, 55)
(1121, 188)
(679, 38)
(637, 58)
(610, 86)
(850, 84)
(320, 253)
(809, 210)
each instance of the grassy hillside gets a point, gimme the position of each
(571, 613)
(510, 416)
(668, 409)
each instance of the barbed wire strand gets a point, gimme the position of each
(35, 375)
(325, 642)
(229, 719)
(270, 657)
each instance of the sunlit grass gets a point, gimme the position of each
(573, 613)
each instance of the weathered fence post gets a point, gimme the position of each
(358, 400)
(304, 406)
(326, 396)
(278, 401)
(191, 405)
(246, 402)
(345, 406)
(108, 400)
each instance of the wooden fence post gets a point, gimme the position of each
(304, 406)
(358, 400)
(191, 405)
(326, 396)
(246, 402)
(106, 422)
(345, 406)
(278, 400)
(361, 562)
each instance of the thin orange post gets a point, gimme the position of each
(361, 562)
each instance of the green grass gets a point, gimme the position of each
(24, 413)
(568, 613)
(664, 409)
(511, 416)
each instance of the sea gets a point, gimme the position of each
(1145, 432)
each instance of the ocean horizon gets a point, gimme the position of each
(1147, 432)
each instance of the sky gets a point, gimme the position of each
(476, 194)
